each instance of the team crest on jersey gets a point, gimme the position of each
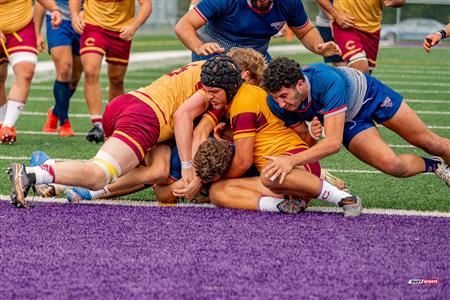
(278, 25)
(89, 41)
(387, 102)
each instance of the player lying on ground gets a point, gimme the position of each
(348, 102)
(258, 133)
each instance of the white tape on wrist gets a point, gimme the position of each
(310, 132)
(186, 164)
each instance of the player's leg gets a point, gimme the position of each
(3, 75)
(116, 76)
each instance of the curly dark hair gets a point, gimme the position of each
(212, 159)
(281, 72)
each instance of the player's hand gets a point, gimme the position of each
(278, 167)
(328, 49)
(218, 130)
(40, 43)
(315, 128)
(127, 32)
(189, 191)
(77, 23)
(209, 48)
(431, 40)
(345, 21)
(56, 19)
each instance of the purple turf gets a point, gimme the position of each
(119, 252)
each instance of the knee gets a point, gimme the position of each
(394, 167)
(27, 75)
(116, 80)
(216, 195)
(271, 185)
(64, 73)
(91, 74)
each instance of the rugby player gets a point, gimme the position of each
(433, 39)
(106, 28)
(349, 102)
(18, 47)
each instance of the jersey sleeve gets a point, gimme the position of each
(333, 96)
(211, 9)
(243, 115)
(215, 116)
(297, 15)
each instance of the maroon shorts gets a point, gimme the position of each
(353, 41)
(313, 168)
(23, 40)
(96, 39)
(133, 122)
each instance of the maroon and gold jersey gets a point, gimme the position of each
(367, 13)
(168, 92)
(15, 14)
(250, 116)
(109, 14)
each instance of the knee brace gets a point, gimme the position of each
(108, 165)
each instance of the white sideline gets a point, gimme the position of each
(123, 202)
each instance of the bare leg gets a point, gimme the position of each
(20, 88)
(3, 75)
(92, 91)
(116, 75)
(77, 69)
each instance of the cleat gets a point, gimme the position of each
(292, 205)
(66, 130)
(333, 180)
(38, 158)
(46, 190)
(95, 134)
(7, 135)
(443, 171)
(76, 194)
(351, 205)
(20, 185)
(51, 124)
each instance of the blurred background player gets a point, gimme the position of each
(18, 47)
(64, 47)
(215, 26)
(433, 39)
(323, 25)
(356, 29)
(106, 28)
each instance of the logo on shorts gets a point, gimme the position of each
(386, 103)
(278, 25)
(89, 41)
(350, 45)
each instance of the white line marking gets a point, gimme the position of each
(422, 91)
(123, 202)
(416, 83)
(428, 101)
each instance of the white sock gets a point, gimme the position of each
(103, 193)
(13, 111)
(269, 204)
(43, 173)
(331, 194)
(2, 112)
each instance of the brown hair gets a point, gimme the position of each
(250, 60)
(212, 159)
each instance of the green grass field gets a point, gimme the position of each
(423, 79)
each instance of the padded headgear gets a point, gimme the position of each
(222, 72)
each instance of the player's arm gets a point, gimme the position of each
(279, 166)
(51, 6)
(242, 159)
(186, 30)
(309, 132)
(38, 17)
(77, 21)
(311, 39)
(342, 19)
(201, 132)
(145, 9)
(394, 3)
(433, 39)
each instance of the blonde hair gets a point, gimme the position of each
(250, 60)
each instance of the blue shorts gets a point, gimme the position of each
(327, 36)
(64, 35)
(380, 104)
(175, 164)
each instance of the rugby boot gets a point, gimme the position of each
(351, 205)
(51, 124)
(291, 205)
(443, 171)
(7, 135)
(20, 183)
(66, 130)
(95, 134)
(76, 194)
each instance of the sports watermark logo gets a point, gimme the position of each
(423, 281)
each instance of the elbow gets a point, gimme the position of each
(179, 27)
(335, 147)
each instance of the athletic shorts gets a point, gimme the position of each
(64, 35)
(353, 41)
(23, 40)
(327, 36)
(96, 39)
(133, 122)
(380, 104)
(313, 167)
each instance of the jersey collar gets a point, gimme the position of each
(305, 104)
